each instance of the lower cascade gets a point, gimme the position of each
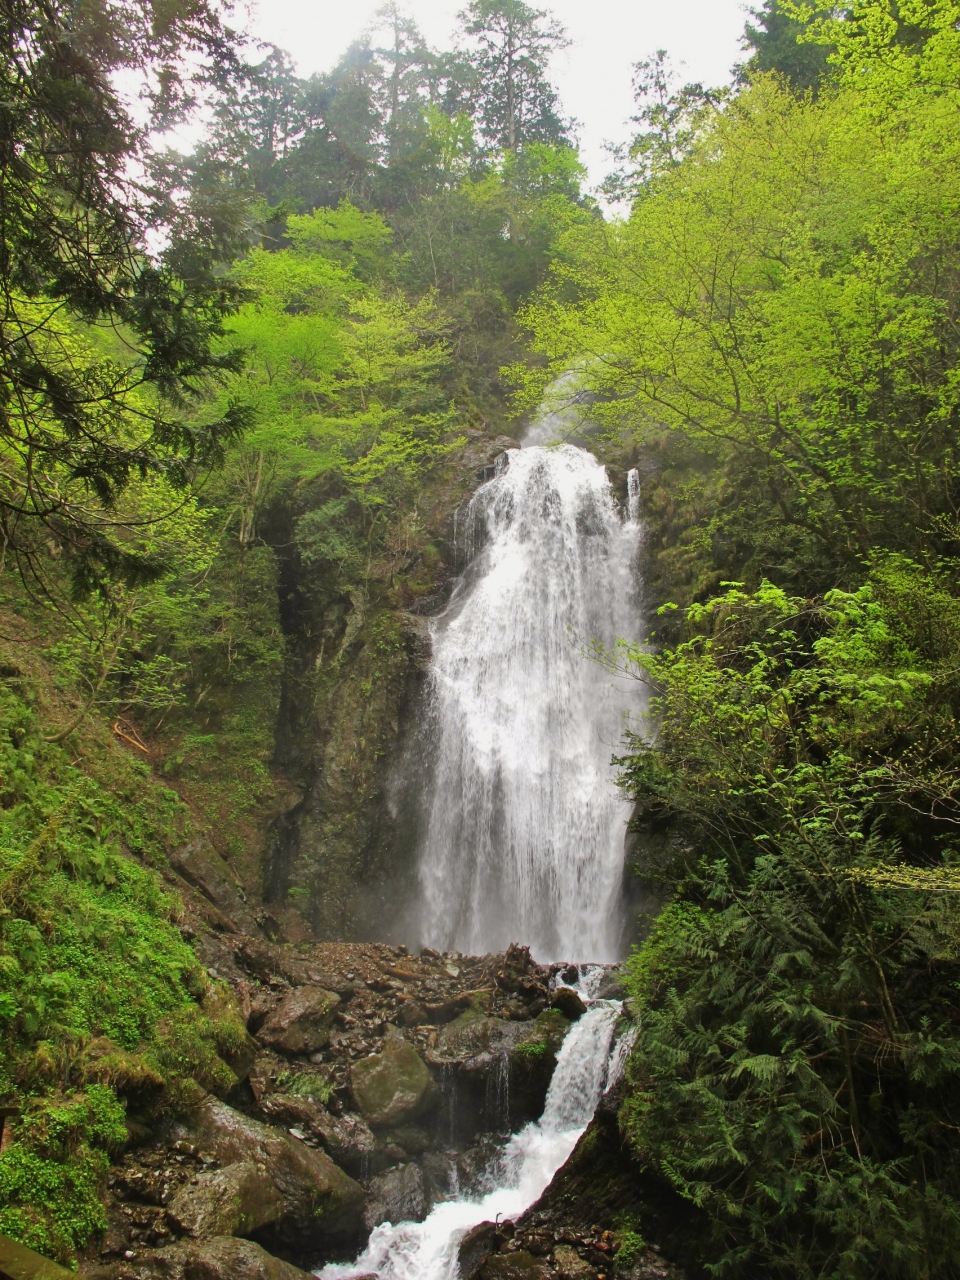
(524, 826)
(588, 1063)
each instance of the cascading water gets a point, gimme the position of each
(525, 827)
(587, 1064)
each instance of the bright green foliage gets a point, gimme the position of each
(342, 376)
(92, 967)
(50, 1180)
(797, 1067)
(774, 321)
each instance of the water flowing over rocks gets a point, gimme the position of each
(520, 726)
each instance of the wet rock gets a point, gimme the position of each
(569, 1003)
(222, 1258)
(475, 1247)
(393, 1086)
(237, 1200)
(319, 1202)
(395, 1196)
(347, 1138)
(301, 1022)
(611, 986)
(518, 1265)
(570, 1266)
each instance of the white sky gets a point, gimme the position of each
(593, 75)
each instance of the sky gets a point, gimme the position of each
(593, 75)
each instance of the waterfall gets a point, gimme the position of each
(524, 828)
(428, 1250)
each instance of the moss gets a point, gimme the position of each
(304, 1084)
(532, 1049)
(630, 1247)
(98, 990)
(52, 1175)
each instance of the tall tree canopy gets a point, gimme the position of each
(103, 347)
(507, 86)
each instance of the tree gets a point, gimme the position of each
(670, 116)
(102, 347)
(777, 47)
(506, 73)
(405, 89)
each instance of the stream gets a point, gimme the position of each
(587, 1064)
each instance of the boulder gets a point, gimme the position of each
(318, 1201)
(392, 1086)
(347, 1139)
(395, 1196)
(301, 1022)
(612, 986)
(220, 1004)
(519, 1265)
(234, 1201)
(569, 1003)
(570, 1266)
(475, 1247)
(411, 1014)
(222, 1258)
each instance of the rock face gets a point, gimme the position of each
(222, 1258)
(318, 1202)
(301, 1023)
(392, 1086)
(395, 1196)
(234, 1201)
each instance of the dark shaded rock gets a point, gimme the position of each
(319, 1201)
(301, 1022)
(518, 1265)
(201, 866)
(395, 1196)
(611, 986)
(234, 1201)
(569, 1003)
(602, 1183)
(393, 1086)
(479, 1242)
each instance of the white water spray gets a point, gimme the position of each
(525, 826)
(587, 1064)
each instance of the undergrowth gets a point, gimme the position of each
(101, 999)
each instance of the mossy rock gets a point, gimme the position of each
(394, 1086)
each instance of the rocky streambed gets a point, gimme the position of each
(371, 1085)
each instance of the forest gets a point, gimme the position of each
(246, 394)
